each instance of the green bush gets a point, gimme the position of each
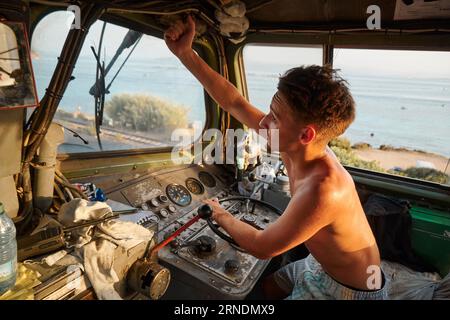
(361, 146)
(341, 143)
(145, 113)
(349, 158)
(427, 174)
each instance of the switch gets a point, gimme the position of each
(231, 266)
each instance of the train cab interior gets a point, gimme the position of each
(101, 126)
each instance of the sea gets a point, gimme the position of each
(404, 112)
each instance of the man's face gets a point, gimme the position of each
(281, 118)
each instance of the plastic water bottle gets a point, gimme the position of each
(8, 251)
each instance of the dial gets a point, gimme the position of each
(164, 213)
(154, 202)
(178, 194)
(172, 208)
(194, 186)
(162, 198)
(207, 179)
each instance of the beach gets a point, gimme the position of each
(404, 159)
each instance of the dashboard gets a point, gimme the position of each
(202, 264)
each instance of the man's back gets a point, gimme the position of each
(346, 247)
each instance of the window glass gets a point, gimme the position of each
(402, 112)
(16, 78)
(265, 64)
(148, 95)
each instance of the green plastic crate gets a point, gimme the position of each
(431, 237)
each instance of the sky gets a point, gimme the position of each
(421, 64)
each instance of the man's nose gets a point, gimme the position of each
(264, 123)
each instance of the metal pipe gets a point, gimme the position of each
(45, 171)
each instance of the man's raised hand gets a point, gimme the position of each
(179, 36)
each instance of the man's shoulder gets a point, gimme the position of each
(328, 185)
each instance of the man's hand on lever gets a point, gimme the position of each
(218, 210)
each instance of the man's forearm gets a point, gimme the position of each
(246, 236)
(217, 86)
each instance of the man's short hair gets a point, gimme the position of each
(319, 96)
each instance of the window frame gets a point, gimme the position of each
(423, 184)
(329, 44)
(209, 54)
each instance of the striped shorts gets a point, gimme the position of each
(307, 280)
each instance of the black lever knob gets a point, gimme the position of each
(252, 177)
(205, 211)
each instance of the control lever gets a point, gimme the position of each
(255, 189)
(203, 244)
(204, 212)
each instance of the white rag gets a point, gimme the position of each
(96, 245)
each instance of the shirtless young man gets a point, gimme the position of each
(312, 106)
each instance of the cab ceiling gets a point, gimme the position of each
(271, 14)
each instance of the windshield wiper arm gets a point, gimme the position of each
(76, 134)
(130, 38)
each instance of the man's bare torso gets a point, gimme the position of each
(346, 247)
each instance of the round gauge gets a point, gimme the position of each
(164, 213)
(194, 186)
(162, 198)
(172, 208)
(178, 194)
(207, 179)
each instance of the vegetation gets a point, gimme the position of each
(66, 115)
(361, 146)
(145, 113)
(344, 151)
(427, 174)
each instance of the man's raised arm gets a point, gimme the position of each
(179, 39)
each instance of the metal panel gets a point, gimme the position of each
(11, 123)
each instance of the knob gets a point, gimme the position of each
(249, 218)
(154, 202)
(252, 177)
(164, 213)
(231, 266)
(172, 208)
(205, 211)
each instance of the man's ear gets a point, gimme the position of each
(307, 134)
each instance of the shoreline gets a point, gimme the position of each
(389, 159)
